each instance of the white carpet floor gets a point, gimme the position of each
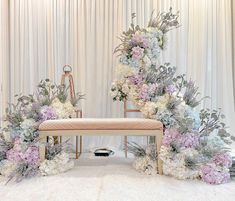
(112, 179)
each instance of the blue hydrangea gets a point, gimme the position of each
(194, 115)
(166, 118)
(130, 61)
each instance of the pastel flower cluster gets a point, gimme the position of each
(142, 48)
(193, 139)
(48, 113)
(175, 164)
(223, 159)
(62, 110)
(146, 165)
(214, 174)
(17, 154)
(19, 147)
(61, 163)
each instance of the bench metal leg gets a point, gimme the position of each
(80, 145)
(76, 147)
(159, 161)
(56, 140)
(42, 148)
(125, 144)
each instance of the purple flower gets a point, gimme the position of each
(137, 52)
(139, 40)
(170, 136)
(191, 83)
(211, 174)
(223, 159)
(171, 89)
(47, 113)
(189, 140)
(15, 154)
(136, 79)
(153, 88)
(35, 107)
(31, 156)
(144, 95)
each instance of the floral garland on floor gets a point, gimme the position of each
(19, 141)
(195, 144)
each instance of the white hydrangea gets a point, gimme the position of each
(174, 163)
(60, 163)
(7, 167)
(182, 108)
(162, 101)
(147, 61)
(27, 124)
(63, 110)
(125, 70)
(145, 165)
(133, 94)
(149, 109)
(125, 88)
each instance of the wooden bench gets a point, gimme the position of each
(104, 127)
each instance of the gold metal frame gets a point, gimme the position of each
(126, 110)
(78, 115)
(67, 73)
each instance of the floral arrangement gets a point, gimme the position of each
(196, 143)
(145, 158)
(19, 140)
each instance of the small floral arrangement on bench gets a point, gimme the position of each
(19, 140)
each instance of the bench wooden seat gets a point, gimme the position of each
(102, 126)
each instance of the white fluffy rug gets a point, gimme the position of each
(112, 179)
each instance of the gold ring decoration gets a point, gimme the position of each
(67, 68)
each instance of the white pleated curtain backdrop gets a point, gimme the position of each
(46, 34)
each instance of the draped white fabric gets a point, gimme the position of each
(4, 56)
(45, 35)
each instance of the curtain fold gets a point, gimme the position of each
(4, 56)
(47, 34)
(233, 44)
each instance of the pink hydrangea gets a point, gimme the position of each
(170, 136)
(136, 79)
(137, 52)
(15, 154)
(144, 93)
(223, 159)
(189, 140)
(171, 89)
(152, 88)
(47, 113)
(211, 174)
(31, 156)
(140, 40)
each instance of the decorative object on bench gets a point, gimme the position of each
(195, 144)
(104, 127)
(19, 146)
(103, 152)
